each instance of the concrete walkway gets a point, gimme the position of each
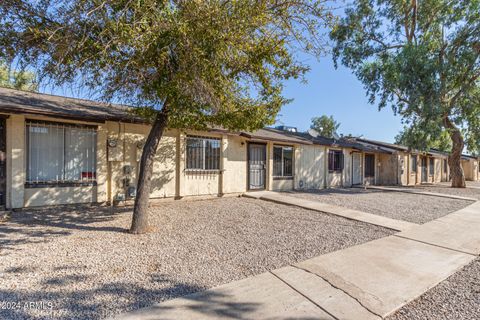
(368, 281)
(416, 191)
(284, 198)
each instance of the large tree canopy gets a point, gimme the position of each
(187, 64)
(16, 79)
(422, 58)
(215, 62)
(325, 125)
(418, 139)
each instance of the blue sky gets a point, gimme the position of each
(340, 94)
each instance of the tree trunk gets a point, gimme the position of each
(140, 210)
(454, 160)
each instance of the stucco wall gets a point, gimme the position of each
(403, 169)
(387, 169)
(59, 195)
(127, 153)
(470, 168)
(15, 161)
(476, 173)
(310, 167)
(234, 164)
(438, 170)
(282, 184)
(347, 171)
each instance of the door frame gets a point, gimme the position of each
(362, 176)
(424, 169)
(372, 179)
(264, 144)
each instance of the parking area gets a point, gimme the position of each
(82, 261)
(396, 205)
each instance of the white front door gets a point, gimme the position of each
(357, 168)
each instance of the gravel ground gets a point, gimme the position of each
(475, 184)
(463, 192)
(397, 205)
(84, 263)
(456, 298)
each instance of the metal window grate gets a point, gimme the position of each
(60, 153)
(282, 161)
(203, 153)
(335, 161)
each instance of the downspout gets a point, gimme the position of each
(398, 169)
(408, 169)
(325, 169)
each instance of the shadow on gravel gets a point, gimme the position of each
(21, 227)
(56, 303)
(78, 304)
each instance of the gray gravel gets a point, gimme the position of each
(84, 263)
(475, 184)
(397, 205)
(463, 192)
(456, 298)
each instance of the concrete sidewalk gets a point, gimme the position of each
(368, 281)
(284, 198)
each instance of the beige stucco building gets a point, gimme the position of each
(62, 151)
(471, 167)
(56, 150)
(413, 167)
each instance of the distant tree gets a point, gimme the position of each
(422, 140)
(422, 58)
(185, 64)
(325, 125)
(20, 80)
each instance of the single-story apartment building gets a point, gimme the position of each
(415, 167)
(331, 163)
(57, 150)
(471, 167)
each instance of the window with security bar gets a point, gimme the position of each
(203, 153)
(335, 161)
(58, 152)
(282, 161)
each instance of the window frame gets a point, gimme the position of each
(282, 162)
(331, 157)
(31, 183)
(204, 140)
(370, 156)
(431, 166)
(412, 167)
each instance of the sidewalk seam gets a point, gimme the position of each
(338, 288)
(291, 287)
(435, 245)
